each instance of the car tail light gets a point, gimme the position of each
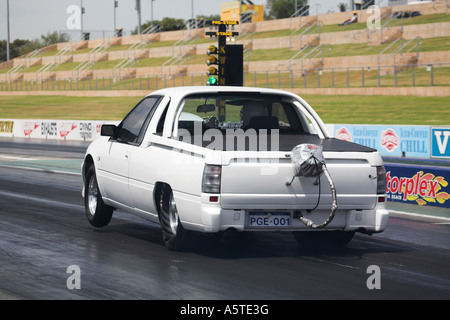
(381, 180)
(211, 179)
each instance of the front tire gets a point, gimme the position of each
(97, 212)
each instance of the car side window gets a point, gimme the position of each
(132, 128)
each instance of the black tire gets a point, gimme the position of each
(175, 237)
(97, 212)
(320, 240)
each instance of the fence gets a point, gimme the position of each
(437, 74)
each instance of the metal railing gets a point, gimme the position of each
(14, 72)
(399, 46)
(419, 75)
(305, 56)
(45, 70)
(124, 66)
(82, 69)
(32, 55)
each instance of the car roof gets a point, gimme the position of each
(185, 90)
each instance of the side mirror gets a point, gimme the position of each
(206, 108)
(108, 130)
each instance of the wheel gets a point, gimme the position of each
(98, 213)
(311, 240)
(175, 237)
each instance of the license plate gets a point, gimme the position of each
(269, 219)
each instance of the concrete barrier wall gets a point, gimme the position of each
(421, 142)
(80, 130)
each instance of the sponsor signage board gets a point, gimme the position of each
(81, 130)
(440, 142)
(420, 185)
(393, 141)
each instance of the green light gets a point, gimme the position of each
(212, 81)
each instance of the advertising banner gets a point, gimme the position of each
(391, 141)
(6, 128)
(420, 185)
(440, 146)
(81, 130)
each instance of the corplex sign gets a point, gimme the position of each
(418, 185)
(394, 141)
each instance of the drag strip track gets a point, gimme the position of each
(43, 231)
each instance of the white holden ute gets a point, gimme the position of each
(203, 160)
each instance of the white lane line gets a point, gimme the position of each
(40, 169)
(442, 220)
(17, 158)
(331, 262)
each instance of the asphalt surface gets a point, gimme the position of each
(48, 250)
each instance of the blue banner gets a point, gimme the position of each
(421, 185)
(440, 142)
(392, 141)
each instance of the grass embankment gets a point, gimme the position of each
(387, 110)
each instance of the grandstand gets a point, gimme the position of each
(308, 52)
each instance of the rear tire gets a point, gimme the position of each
(175, 237)
(319, 240)
(97, 212)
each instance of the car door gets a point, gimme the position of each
(116, 160)
(142, 173)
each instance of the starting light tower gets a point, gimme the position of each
(228, 58)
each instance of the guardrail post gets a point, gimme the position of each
(379, 76)
(332, 78)
(362, 76)
(431, 76)
(395, 75)
(348, 75)
(318, 78)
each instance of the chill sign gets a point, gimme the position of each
(440, 144)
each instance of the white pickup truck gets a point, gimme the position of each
(204, 160)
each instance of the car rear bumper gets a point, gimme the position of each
(215, 219)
